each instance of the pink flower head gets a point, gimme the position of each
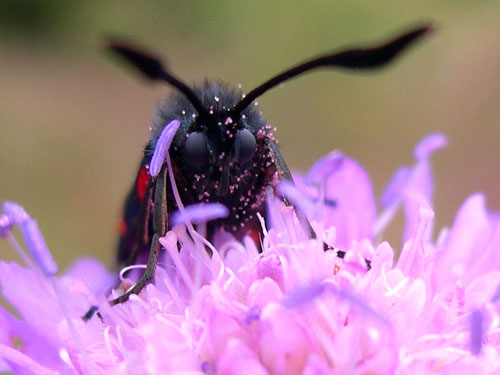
(294, 308)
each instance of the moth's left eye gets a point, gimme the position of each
(246, 144)
(197, 149)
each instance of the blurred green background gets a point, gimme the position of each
(73, 123)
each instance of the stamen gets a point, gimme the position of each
(6, 224)
(359, 302)
(169, 242)
(430, 144)
(38, 248)
(496, 296)
(199, 213)
(301, 295)
(253, 315)
(15, 212)
(162, 146)
(476, 332)
(35, 242)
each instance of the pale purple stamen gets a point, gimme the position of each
(357, 301)
(162, 146)
(16, 213)
(476, 331)
(253, 314)
(270, 266)
(6, 224)
(38, 248)
(35, 242)
(496, 296)
(302, 295)
(208, 368)
(429, 144)
(324, 167)
(200, 213)
(392, 193)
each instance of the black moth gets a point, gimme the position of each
(222, 152)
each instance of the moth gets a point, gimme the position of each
(223, 151)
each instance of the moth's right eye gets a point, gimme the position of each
(197, 149)
(247, 145)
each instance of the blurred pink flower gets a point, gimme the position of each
(292, 309)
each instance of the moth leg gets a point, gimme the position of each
(282, 168)
(159, 228)
(142, 241)
(143, 227)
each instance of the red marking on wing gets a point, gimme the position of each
(256, 236)
(122, 227)
(142, 182)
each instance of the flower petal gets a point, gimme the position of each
(353, 213)
(237, 358)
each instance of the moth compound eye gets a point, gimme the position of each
(247, 145)
(197, 149)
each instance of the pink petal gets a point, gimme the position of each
(394, 190)
(414, 186)
(353, 216)
(316, 365)
(93, 273)
(237, 358)
(468, 237)
(270, 266)
(20, 335)
(283, 343)
(324, 167)
(262, 292)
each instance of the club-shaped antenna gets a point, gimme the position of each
(350, 58)
(152, 68)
